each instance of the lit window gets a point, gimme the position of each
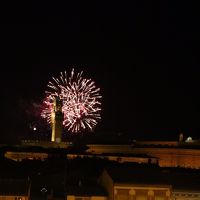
(82, 198)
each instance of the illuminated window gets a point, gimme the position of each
(141, 197)
(82, 198)
(159, 198)
(122, 194)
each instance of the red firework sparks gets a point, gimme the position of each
(81, 101)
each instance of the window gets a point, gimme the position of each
(122, 194)
(82, 198)
(141, 197)
(18, 198)
(159, 198)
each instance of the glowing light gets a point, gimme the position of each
(81, 101)
(189, 139)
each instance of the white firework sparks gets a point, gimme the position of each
(81, 101)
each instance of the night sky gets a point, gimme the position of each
(144, 56)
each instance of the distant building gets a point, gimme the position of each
(20, 156)
(125, 184)
(168, 153)
(165, 154)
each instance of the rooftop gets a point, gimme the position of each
(153, 175)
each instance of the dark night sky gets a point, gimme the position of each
(143, 55)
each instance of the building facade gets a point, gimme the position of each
(122, 190)
(168, 154)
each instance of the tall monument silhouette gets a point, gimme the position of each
(57, 120)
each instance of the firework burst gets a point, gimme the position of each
(81, 101)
